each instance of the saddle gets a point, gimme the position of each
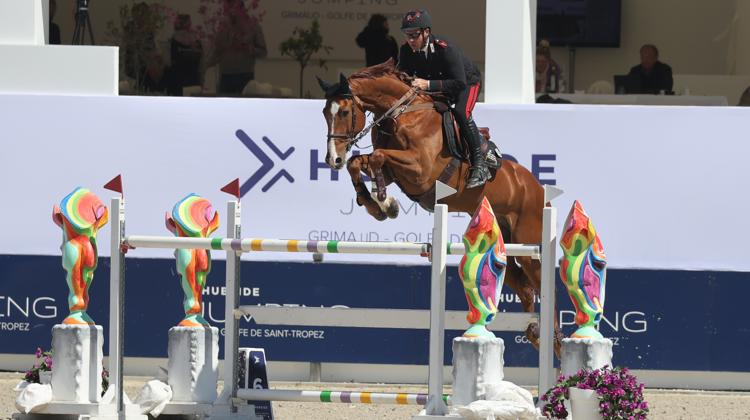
(459, 150)
(458, 146)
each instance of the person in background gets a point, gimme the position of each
(143, 63)
(745, 98)
(186, 52)
(548, 73)
(378, 45)
(238, 44)
(651, 76)
(440, 66)
(54, 30)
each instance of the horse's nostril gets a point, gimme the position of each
(338, 161)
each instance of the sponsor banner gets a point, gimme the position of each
(646, 175)
(648, 313)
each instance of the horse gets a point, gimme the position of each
(409, 150)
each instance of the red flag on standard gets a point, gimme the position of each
(115, 184)
(232, 188)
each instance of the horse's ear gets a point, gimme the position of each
(323, 84)
(342, 80)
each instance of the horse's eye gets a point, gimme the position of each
(344, 113)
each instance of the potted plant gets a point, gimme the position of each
(615, 391)
(41, 372)
(302, 45)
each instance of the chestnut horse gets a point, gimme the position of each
(408, 149)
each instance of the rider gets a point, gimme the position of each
(439, 66)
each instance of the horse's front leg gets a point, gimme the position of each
(404, 165)
(356, 165)
(379, 181)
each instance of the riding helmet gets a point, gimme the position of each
(416, 19)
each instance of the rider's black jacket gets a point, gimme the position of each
(442, 63)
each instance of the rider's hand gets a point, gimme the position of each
(420, 83)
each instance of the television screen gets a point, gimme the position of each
(579, 23)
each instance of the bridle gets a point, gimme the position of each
(350, 134)
(397, 109)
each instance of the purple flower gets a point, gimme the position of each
(620, 394)
(39, 352)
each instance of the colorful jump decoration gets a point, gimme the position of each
(583, 269)
(482, 269)
(80, 215)
(193, 217)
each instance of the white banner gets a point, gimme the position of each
(662, 185)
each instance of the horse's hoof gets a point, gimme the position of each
(380, 216)
(532, 333)
(392, 208)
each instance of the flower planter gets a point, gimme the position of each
(620, 389)
(45, 377)
(584, 404)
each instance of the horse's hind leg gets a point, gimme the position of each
(356, 165)
(528, 230)
(516, 279)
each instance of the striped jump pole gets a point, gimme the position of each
(511, 250)
(323, 247)
(278, 245)
(348, 397)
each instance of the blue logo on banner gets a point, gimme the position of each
(266, 163)
(540, 164)
(253, 375)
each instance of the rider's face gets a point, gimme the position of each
(416, 38)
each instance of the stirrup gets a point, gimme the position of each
(493, 159)
(478, 176)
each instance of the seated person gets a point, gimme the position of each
(548, 77)
(651, 76)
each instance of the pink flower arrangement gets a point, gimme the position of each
(217, 15)
(43, 364)
(620, 394)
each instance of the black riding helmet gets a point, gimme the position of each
(416, 19)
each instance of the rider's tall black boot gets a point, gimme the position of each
(478, 174)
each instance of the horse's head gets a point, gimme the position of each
(345, 118)
(482, 268)
(80, 213)
(583, 267)
(193, 216)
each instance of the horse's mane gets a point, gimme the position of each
(387, 68)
